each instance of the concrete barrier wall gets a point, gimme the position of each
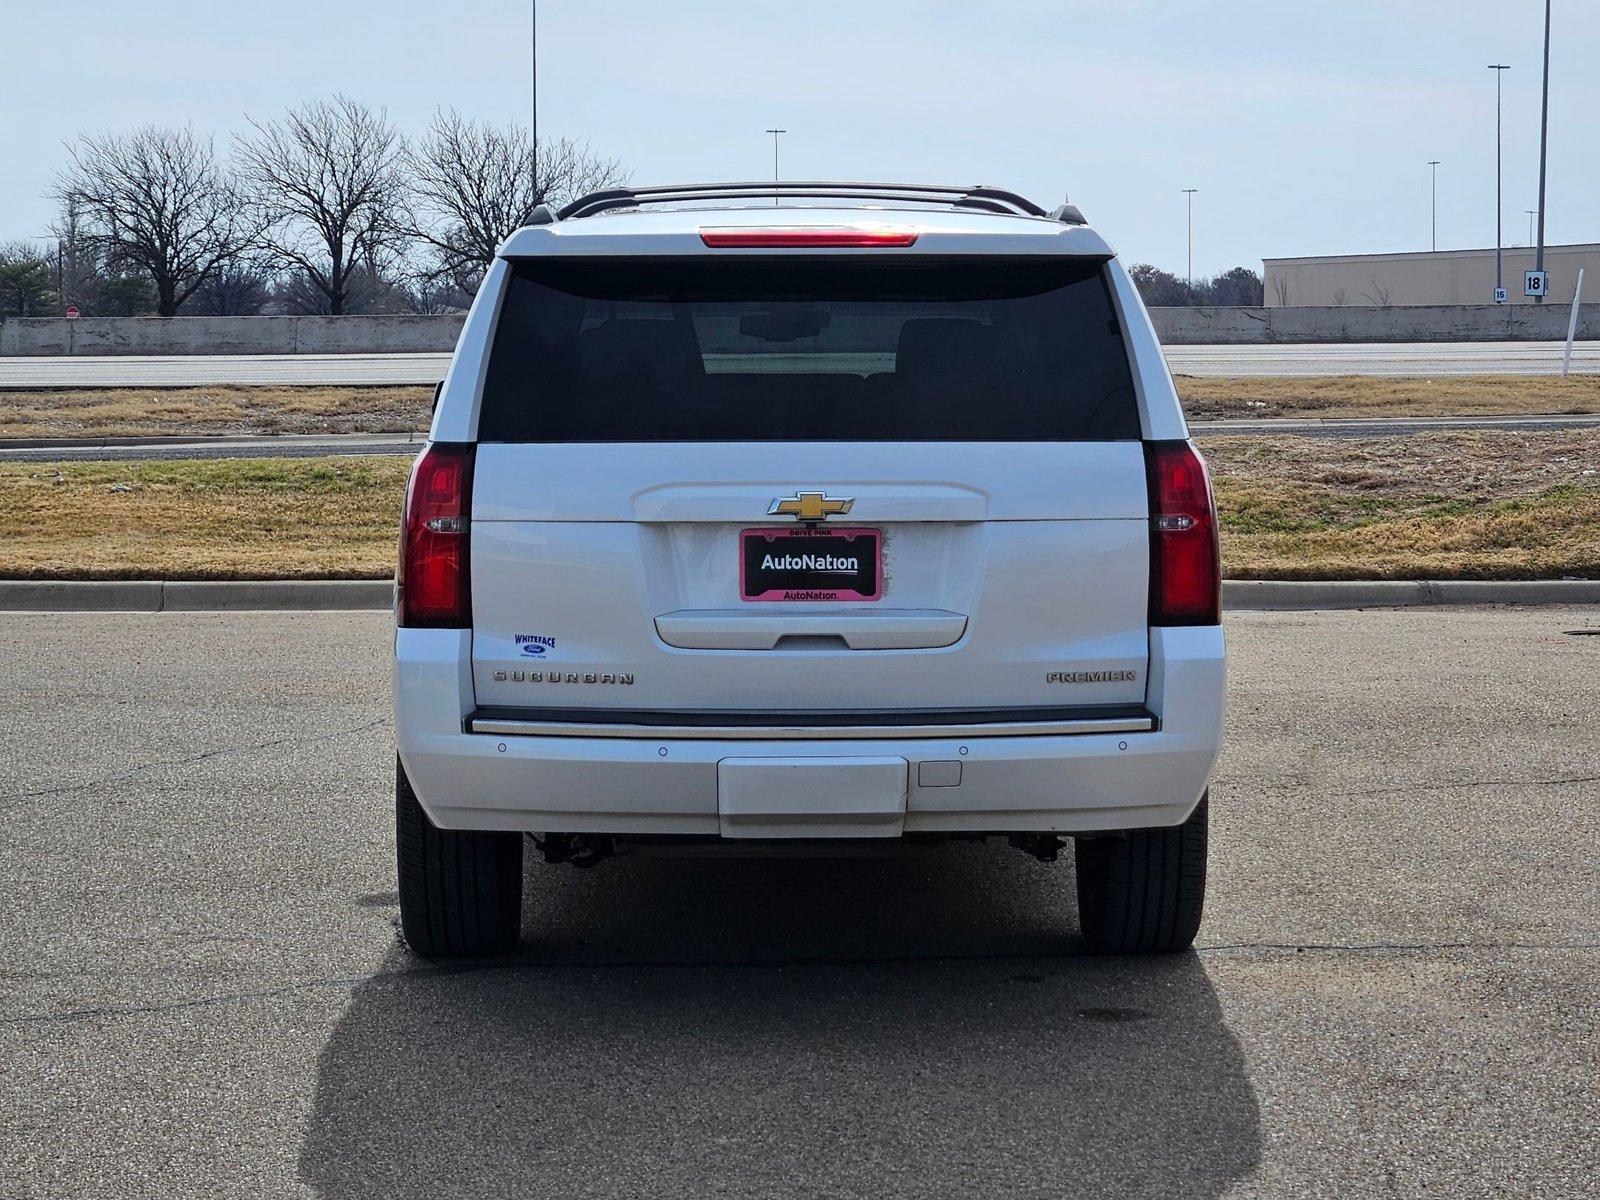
(44, 336)
(27, 336)
(1407, 323)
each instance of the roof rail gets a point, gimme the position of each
(985, 199)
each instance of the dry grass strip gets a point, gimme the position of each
(1482, 505)
(136, 412)
(155, 412)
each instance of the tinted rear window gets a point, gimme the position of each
(758, 350)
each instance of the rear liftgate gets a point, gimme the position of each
(854, 484)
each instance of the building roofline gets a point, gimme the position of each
(1422, 255)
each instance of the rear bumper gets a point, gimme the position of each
(1061, 783)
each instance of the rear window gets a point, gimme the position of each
(760, 350)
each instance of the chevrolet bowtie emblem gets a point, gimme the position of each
(810, 506)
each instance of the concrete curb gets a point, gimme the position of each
(141, 595)
(41, 595)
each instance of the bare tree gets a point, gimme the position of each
(77, 257)
(1376, 292)
(157, 202)
(240, 289)
(93, 276)
(329, 182)
(1280, 289)
(366, 291)
(474, 183)
(430, 297)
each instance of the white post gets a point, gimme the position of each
(1572, 324)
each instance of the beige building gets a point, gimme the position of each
(1440, 277)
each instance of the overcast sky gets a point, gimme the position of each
(1305, 125)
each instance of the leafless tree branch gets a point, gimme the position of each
(1376, 292)
(327, 178)
(474, 183)
(157, 200)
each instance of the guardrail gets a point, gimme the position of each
(51, 336)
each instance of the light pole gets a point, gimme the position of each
(1499, 70)
(533, 63)
(775, 133)
(1189, 277)
(1544, 142)
(1532, 213)
(1434, 163)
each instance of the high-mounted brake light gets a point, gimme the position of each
(431, 581)
(1185, 561)
(808, 237)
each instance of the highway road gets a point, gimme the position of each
(1420, 359)
(1395, 990)
(1424, 359)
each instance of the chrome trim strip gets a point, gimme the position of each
(774, 733)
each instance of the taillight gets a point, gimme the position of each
(431, 580)
(1185, 561)
(807, 237)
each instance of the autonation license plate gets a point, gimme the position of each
(811, 564)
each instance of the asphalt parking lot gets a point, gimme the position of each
(1396, 990)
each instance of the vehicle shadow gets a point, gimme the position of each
(855, 1027)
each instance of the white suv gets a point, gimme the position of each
(868, 516)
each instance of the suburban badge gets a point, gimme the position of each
(617, 677)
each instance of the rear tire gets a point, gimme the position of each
(460, 890)
(1144, 893)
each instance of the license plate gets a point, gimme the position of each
(811, 564)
